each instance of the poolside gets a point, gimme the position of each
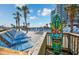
(40, 41)
(36, 39)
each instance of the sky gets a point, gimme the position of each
(39, 14)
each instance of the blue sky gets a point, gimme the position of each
(39, 14)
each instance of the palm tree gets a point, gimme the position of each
(28, 24)
(17, 17)
(78, 22)
(78, 17)
(71, 9)
(47, 26)
(16, 22)
(25, 12)
(23, 23)
(64, 23)
(13, 26)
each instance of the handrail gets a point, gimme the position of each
(74, 34)
(40, 48)
(70, 42)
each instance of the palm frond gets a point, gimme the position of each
(14, 14)
(20, 15)
(28, 11)
(15, 17)
(17, 12)
(18, 8)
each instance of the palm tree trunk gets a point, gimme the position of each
(25, 22)
(78, 23)
(71, 25)
(26, 25)
(18, 25)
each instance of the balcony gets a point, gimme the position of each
(70, 45)
(44, 45)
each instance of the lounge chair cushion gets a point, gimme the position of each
(12, 32)
(23, 46)
(18, 37)
(19, 33)
(10, 35)
(19, 46)
(3, 44)
(6, 38)
(20, 40)
(14, 41)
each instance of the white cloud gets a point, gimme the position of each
(39, 12)
(28, 15)
(46, 12)
(33, 17)
(37, 25)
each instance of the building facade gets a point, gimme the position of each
(52, 13)
(60, 9)
(76, 14)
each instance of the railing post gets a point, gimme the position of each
(69, 42)
(46, 43)
(74, 44)
(77, 44)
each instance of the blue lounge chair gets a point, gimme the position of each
(13, 41)
(12, 33)
(19, 36)
(17, 40)
(3, 44)
(23, 46)
(16, 45)
(20, 47)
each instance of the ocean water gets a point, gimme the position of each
(40, 29)
(66, 29)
